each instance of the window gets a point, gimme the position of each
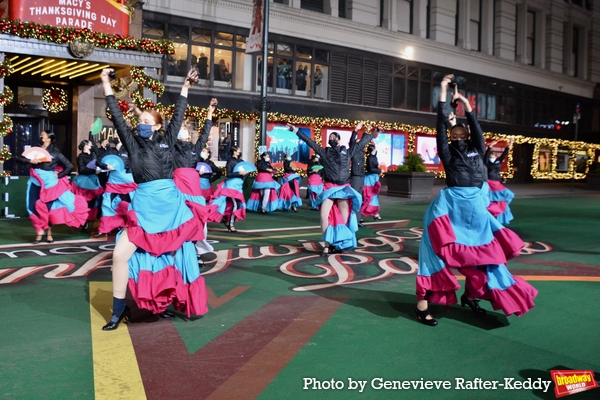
(404, 15)
(312, 5)
(575, 53)
(342, 8)
(475, 25)
(530, 50)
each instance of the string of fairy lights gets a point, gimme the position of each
(6, 97)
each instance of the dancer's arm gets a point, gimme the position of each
(172, 129)
(442, 117)
(311, 143)
(124, 131)
(505, 152)
(208, 123)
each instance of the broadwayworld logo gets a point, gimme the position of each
(568, 382)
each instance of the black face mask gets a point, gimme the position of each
(333, 142)
(115, 141)
(460, 145)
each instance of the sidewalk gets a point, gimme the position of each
(521, 190)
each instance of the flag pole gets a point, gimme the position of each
(265, 66)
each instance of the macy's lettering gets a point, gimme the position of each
(341, 268)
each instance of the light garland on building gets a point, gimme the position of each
(54, 99)
(6, 97)
(141, 78)
(62, 35)
(5, 69)
(5, 154)
(6, 126)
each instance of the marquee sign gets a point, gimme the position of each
(106, 16)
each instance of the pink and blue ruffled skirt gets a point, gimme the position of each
(264, 180)
(500, 198)
(290, 196)
(164, 270)
(56, 203)
(315, 188)
(460, 233)
(229, 190)
(119, 191)
(341, 233)
(371, 188)
(88, 187)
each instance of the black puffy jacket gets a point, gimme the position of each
(493, 168)
(186, 154)
(287, 167)
(151, 158)
(372, 164)
(263, 166)
(83, 159)
(357, 165)
(57, 160)
(464, 168)
(231, 163)
(336, 160)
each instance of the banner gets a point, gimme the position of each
(106, 16)
(254, 43)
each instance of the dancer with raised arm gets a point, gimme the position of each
(265, 189)
(372, 186)
(460, 233)
(155, 252)
(338, 200)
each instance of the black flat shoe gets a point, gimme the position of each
(422, 317)
(361, 223)
(474, 304)
(377, 218)
(111, 326)
(39, 238)
(334, 250)
(166, 315)
(49, 239)
(325, 252)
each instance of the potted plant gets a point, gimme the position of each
(411, 179)
(593, 177)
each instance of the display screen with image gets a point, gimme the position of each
(498, 149)
(581, 159)
(391, 149)
(282, 141)
(427, 149)
(562, 160)
(544, 159)
(344, 136)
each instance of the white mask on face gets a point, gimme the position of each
(267, 159)
(492, 158)
(204, 155)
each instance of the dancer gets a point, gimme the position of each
(500, 196)
(265, 189)
(86, 183)
(186, 177)
(49, 198)
(372, 186)
(338, 222)
(315, 180)
(357, 166)
(207, 179)
(229, 196)
(155, 251)
(119, 191)
(289, 195)
(460, 232)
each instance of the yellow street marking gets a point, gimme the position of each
(116, 371)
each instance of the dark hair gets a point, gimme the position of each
(370, 148)
(82, 144)
(209, 153)
(233, 149)
(337, 135)
(264, 154)
(51, 136)
(460, 125)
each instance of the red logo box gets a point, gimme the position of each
(568, 382)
